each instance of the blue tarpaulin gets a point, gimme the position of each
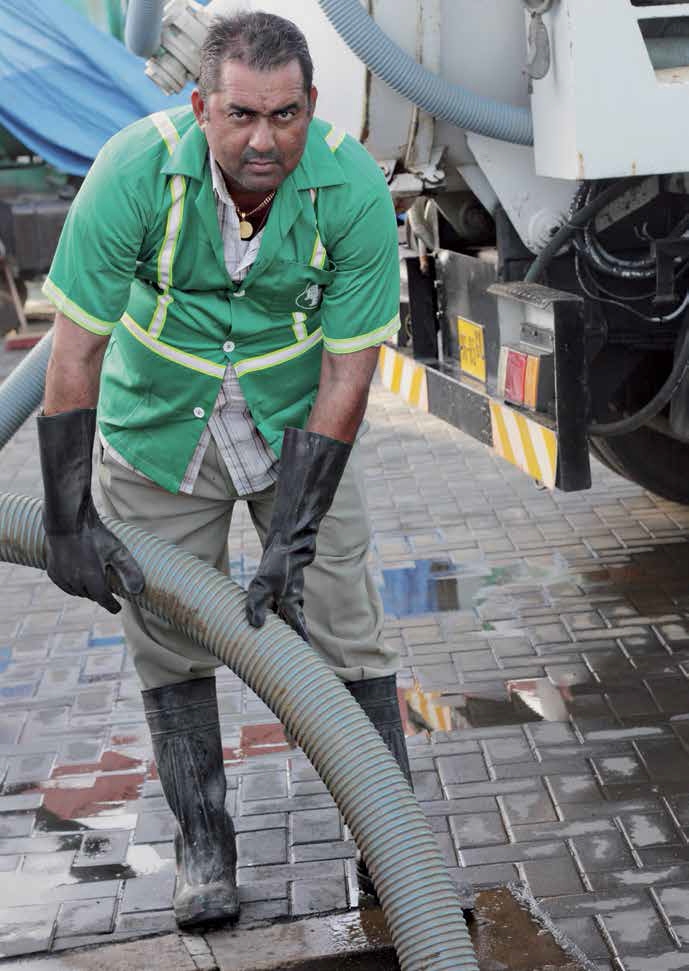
(65, 85)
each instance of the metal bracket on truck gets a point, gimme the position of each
(514, 373)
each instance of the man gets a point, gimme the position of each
(231, 269)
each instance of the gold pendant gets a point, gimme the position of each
(246, 230)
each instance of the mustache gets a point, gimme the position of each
(250, 155)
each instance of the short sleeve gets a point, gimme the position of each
(94, 264)
(361, 305)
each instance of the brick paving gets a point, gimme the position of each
(545, 643)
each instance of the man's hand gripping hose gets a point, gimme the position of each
(80, 550)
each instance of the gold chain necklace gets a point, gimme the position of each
(246, 228)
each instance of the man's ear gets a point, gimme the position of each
(313, 98)
(199, 106)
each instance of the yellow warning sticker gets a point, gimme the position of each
(472, 355)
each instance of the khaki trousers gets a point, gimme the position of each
(343, 609)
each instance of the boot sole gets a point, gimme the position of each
(205, 909)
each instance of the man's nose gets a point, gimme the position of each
(262, 138)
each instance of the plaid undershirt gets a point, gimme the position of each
(252, 464)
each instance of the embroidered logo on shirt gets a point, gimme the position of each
(309, 298)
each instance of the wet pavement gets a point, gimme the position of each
(545, 643)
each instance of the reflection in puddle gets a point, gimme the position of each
(263, 739)
(84, 796)
(436, 586)
(426, 713)
(466, 711)
(427, 587)
(533, 700)
(542, 697)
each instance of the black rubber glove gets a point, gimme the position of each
(80, 550)
(311, 467)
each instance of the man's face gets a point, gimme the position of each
(256, 123)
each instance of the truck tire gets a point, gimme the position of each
(654, 461)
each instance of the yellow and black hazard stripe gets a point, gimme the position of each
(403, 376)
(524, 443)
(521, 440)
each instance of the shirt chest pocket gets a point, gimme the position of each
(286, 287)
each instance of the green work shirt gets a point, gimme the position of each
(141, 258)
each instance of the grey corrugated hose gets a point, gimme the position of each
(143, 26)
(22, 392)
(418, 896)
(440, 98)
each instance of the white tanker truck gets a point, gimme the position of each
(538, 150)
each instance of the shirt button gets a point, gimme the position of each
(199, 413)
(228, 347)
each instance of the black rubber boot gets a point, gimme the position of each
(185, 730)
(378, 698)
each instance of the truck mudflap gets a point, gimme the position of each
(551, 447)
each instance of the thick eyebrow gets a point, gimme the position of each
(294, 106)
(291, 107)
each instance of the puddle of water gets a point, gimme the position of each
(648, 579)
(438, 585)
(504, 935)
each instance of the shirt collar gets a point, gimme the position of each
(219, 185)
(318, 166)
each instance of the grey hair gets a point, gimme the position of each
(260, 40)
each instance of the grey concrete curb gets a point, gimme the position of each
(152, 953)
(333, 943)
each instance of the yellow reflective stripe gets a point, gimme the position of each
(550, 439)
(167, 130)
(160, 314)
(545, 446)
(501, 438)
(335, 137)
(103, 328)
(348, 345)
(416, 386)
(532, 462)
(403, 376)
(166, 256)
(397, 374)
(172, 354)
(525, 443)
(264, 361)
(299, 326)
(318, 254)
(178, 188)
